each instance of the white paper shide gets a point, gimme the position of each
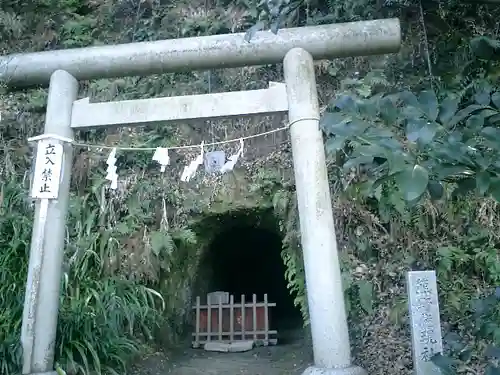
(47, 175)
(190, 170)
(161, 157)
(111, 174)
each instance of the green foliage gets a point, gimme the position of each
(274, 14)
(486, 48)
(101, 322)
(358, 293)
(11, 25)
(358, 290)
(284, 204)
(484, 326)
(415, 144)
(78, 32)
(109, 309)
(15, 233)
(406, 161)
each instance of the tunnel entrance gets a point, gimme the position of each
(244, 257)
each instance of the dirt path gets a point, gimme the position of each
(290, 358)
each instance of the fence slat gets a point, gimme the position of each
(219, 326)
(223, 330)
(243, 318)
(226, 333)
(209, 322)
(226, 305)
(266, 319)
(231, 318)
(197, 328)
(254, 316)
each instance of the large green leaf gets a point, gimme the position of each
(365, 291)
(494, 188)
(355, 162)
(492, 369)
(339, 124)
(465, 355)
(330, 119)
(483, 180)
(474, 123)
(411, 112)
(448, 109)
(388, 110)
(486, 48)
(413, 182)
(492, 352)
(398, 162)
(483, 97)
(377, 134)
(454, 341)
(369, 107)
(492, 135)
(436, 190)
(333, 144)
(486, 159)
(370, 150)
(451, 153)
(421, 131)
(464, 113)
(495, 99)
(494, 120)
(408, 98)
(464, 186)
(345, 102)
(390, 143)
(445, 364)
(429, 104)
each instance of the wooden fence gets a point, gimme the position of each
(229, 322)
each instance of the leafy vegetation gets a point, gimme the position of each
(418, 143)
(484, 325)
(108, 311)
(412, 153)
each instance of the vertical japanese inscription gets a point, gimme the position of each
(49, 157)
(425, 323)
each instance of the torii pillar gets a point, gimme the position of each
(296, 48)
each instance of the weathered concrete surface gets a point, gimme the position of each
(325, 295)
(215, 346)
(241, 346)
(375, 37)
(225, 347)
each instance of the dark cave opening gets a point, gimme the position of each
(245, 258)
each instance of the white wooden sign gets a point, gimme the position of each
(48, 164)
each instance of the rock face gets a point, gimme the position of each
(224, 347)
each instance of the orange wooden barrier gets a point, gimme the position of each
(233, 322)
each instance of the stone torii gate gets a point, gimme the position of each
(296, 48)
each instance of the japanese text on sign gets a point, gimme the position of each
(425, 319)
(47, 173)
(425, 323)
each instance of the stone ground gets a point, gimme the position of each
(291, 356)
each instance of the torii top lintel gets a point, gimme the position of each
(198, 53)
